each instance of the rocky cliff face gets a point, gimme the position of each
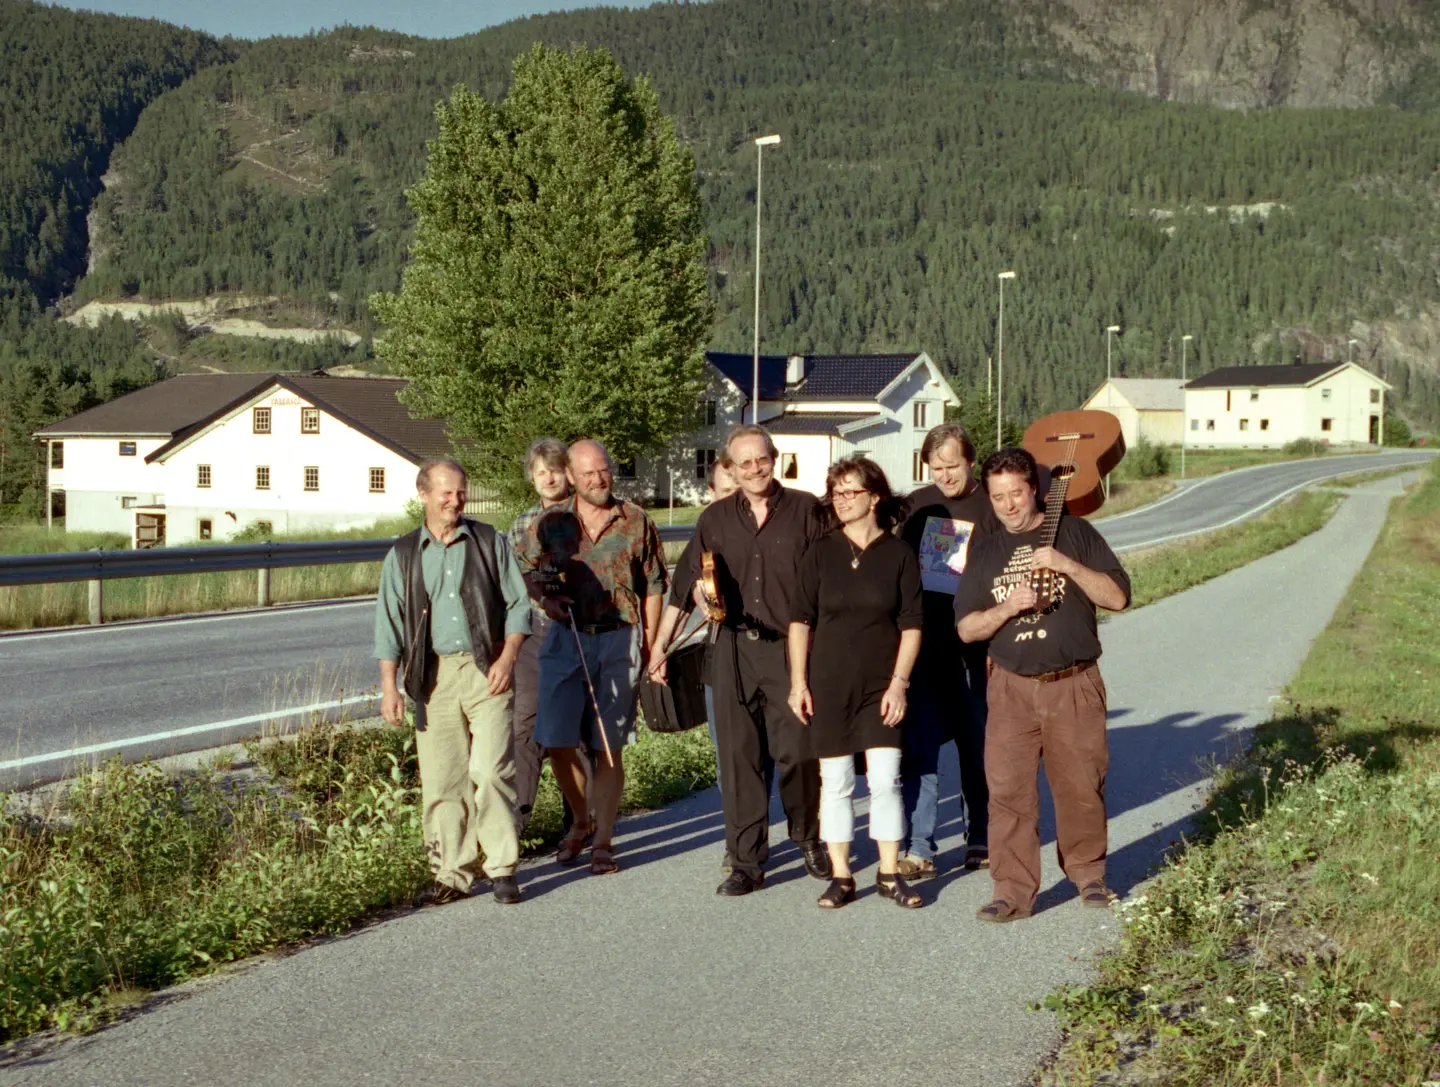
(1242, 53)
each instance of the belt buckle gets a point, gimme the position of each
(752, 634)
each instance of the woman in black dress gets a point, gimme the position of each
(854, 637)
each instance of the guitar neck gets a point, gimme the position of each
(1054, 507)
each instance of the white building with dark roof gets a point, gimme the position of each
(200, 457)
(819, 408)
(1267, 406)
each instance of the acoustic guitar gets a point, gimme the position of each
(1080, 448)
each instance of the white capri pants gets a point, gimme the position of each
(837, 790)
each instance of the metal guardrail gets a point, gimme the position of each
(99, 566)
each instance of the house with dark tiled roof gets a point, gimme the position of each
(1340, 403)
(819, 408)
(199, 457)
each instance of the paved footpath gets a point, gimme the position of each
(648, 978)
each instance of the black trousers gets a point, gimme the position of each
(751, 683)
(530, 756)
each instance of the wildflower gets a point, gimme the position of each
(1367, 876)
(1258, 1010)
(1395, 1005)
(1260, 1033)
(1229, 1000)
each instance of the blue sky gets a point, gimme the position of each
(263, 18)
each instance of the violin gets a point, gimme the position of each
(709, 582)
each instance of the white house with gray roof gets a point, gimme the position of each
(1152, 408)
(819, 408)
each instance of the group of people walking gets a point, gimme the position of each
(862, 633)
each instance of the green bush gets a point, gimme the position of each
(1144, 460)
(1310, 447)
(1397, 431)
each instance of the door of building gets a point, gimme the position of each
(149, 530)
(1374, 430)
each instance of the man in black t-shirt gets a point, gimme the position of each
(947, 688)
(1045, 693)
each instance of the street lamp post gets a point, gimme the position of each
(761, 142)
(1110, 331)
(1184, 423)
(1000, 362)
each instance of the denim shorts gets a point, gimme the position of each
(565, 716)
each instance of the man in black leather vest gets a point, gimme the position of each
(449, 621)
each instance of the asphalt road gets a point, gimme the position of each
(169, 686)
(647, 977)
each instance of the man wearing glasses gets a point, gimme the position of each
(758, 536)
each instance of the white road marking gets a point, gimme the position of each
(176, 733)
(1242, 516)
(130, 625)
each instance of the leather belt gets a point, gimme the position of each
(1063, 673)
(597, 628)
(755, 634)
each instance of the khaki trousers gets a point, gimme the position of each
(1065, 722)
(467, 775)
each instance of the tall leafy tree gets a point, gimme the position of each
(557, 281)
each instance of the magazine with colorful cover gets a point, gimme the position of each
(943, 548)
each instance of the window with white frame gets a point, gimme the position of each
(1324, 394)
(127, 449)
(704, 458)
(262, 477)
(57, 454)
(789, 466)
(260, 421)
(377, 480)
(202, 475)
(128, 502)
(917, 467)
(918, 413)
(1327, 424)
(1254, 395)
(1264, 424)
(312, 478)
(207, 528)
(1244, 424)
(1374, 396)
(1209, 424)
(712, 412)
(309, 420)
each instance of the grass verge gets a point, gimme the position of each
(133, 879)
(1158, 572)
(1131, 494)
(1293, 941)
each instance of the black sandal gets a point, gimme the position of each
(840, 892)
(892, 885)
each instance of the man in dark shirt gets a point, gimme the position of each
(1046, 696)
(947, 688)
(758, 536)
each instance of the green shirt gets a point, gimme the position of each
(443, 567)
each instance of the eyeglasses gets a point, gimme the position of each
(756, 464)
(846, 496)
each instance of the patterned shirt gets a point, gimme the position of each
(606, 578)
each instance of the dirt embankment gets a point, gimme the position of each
(222, 315)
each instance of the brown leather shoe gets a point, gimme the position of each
(439, 894)
(917, 868)
(1096, 895)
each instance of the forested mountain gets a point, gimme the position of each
(928, 144)
(71, 86)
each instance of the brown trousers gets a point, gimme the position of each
(1064, 722)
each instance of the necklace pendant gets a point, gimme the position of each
(855, 563)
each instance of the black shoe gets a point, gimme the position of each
(739, 883)
(438, 894)
(817, 859)
(507, 891)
